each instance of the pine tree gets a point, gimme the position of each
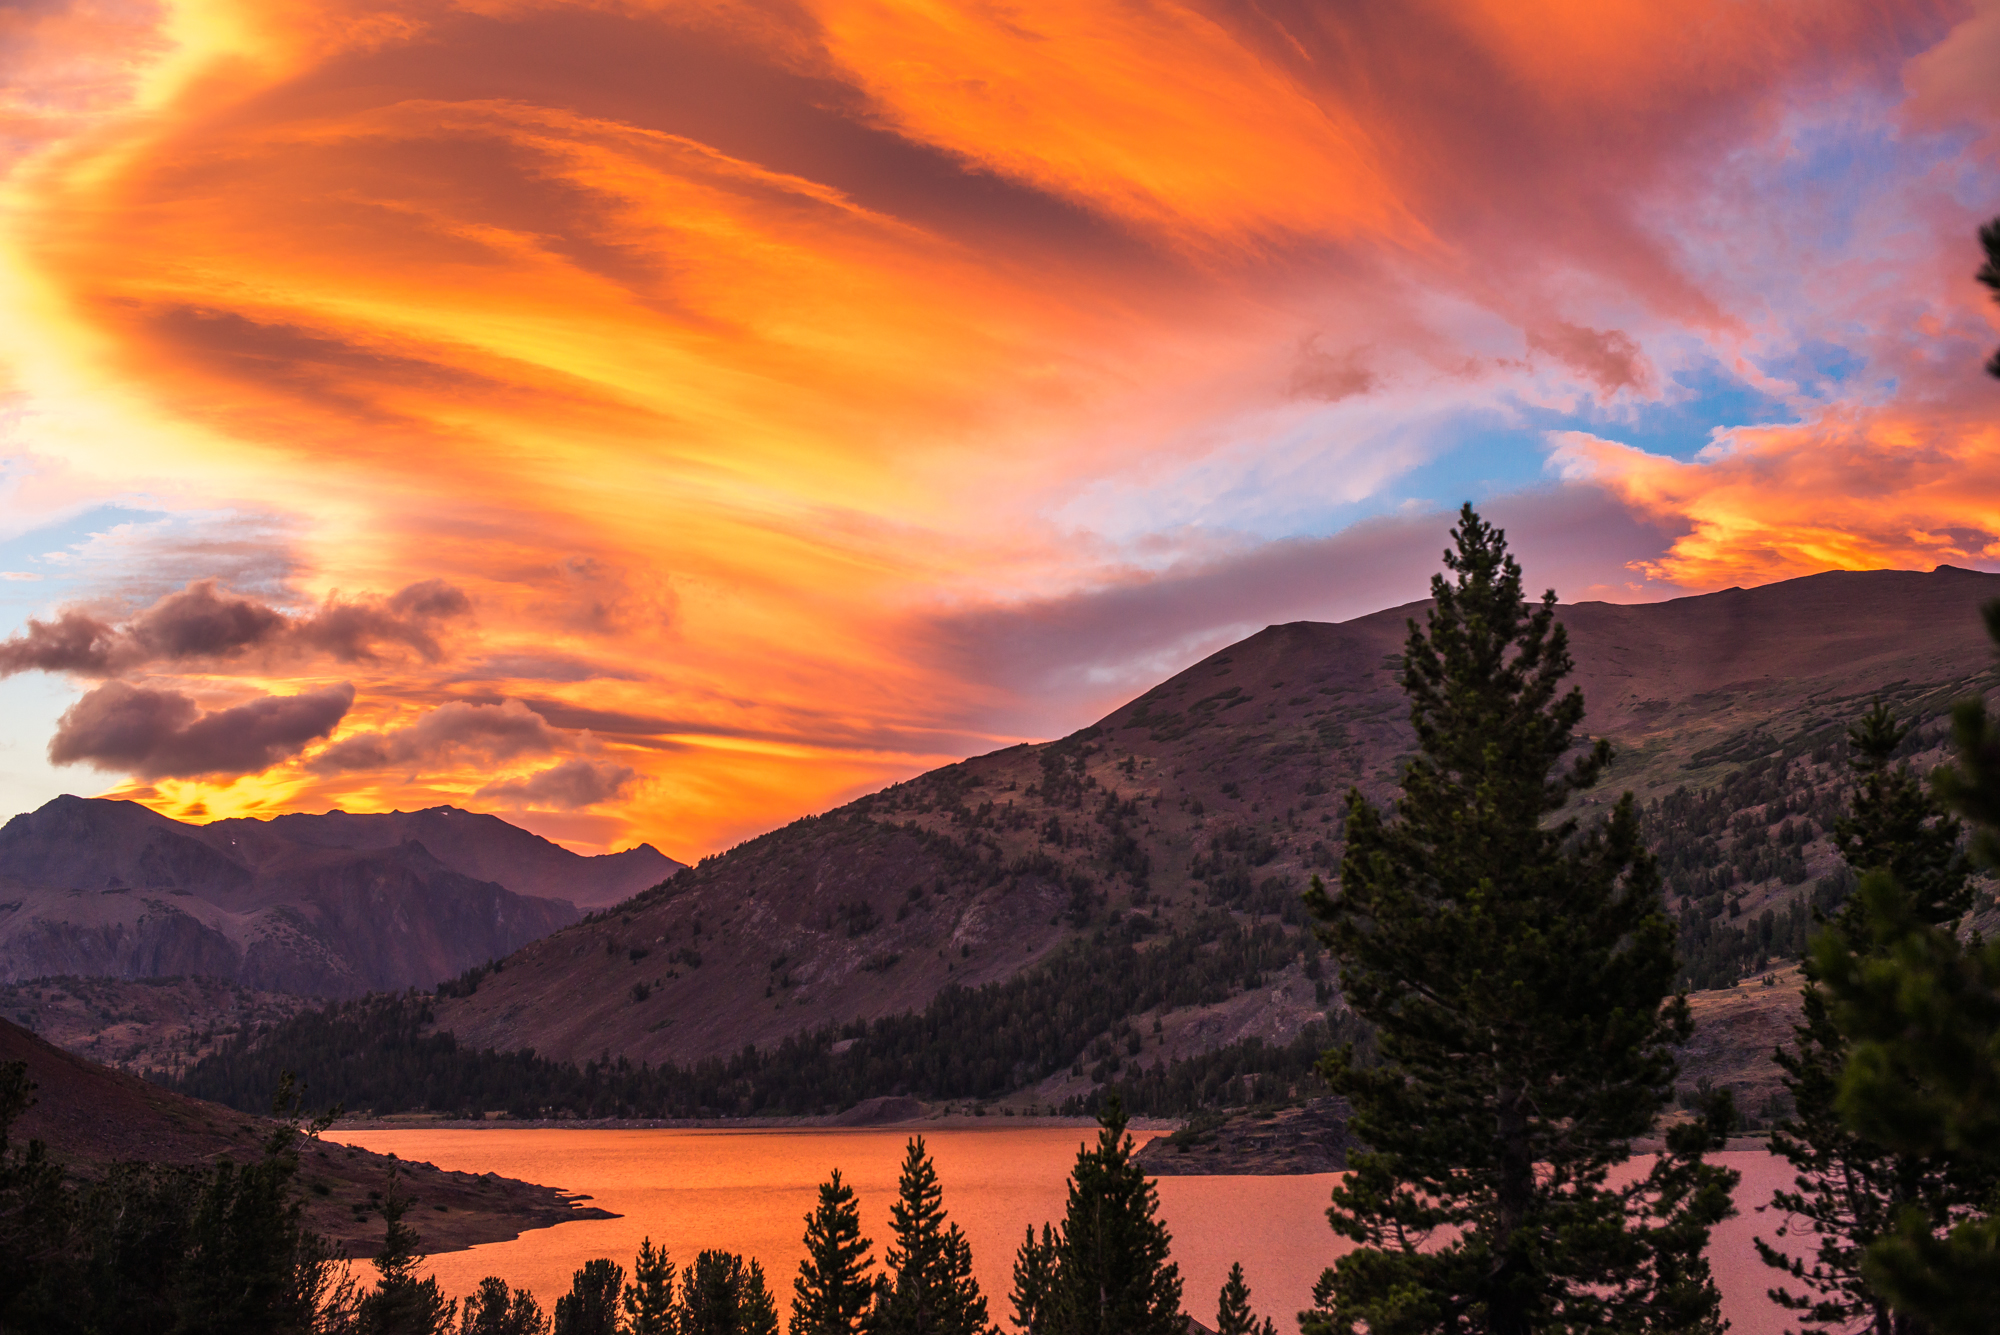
(930, 1289)
(402, 1304)
(1516, 968)
(1920, 1011)
(494, 1309)
(1850, 1191)
(591, 1305)
(1113, 1272)
(832, 1292)
(649, 1299)
(1035, 1283)
(759, 1309)
(724, 1296)
(1232, 1308)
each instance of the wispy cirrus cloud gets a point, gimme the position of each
(822, 392)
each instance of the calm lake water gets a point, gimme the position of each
(749, 1191)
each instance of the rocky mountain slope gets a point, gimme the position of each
(331, 905)
(92, 1117)
(1222, 788)
(142, 1024)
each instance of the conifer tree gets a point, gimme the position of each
(649, 1298)
(1517, 969)
(930, 1289)
(1920, 1010)
(591, 1305)
(832, 1292)
(722, 1295)
(402, 1304)
(1113, 1272)
(1232, 1308)
(494, 1309)
(1035, 1283)
(1849, 1190)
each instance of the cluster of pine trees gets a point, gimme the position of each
(224, 1250)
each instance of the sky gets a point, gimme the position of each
(657, 421)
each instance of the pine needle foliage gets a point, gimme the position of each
(591, 1305)
(1232, 1307)
(832, 1293)
(930, 1289)
(1850, 1190)
(494, 1309)
(722, 1294)
(1034, 1289)
(1114, 1275)
(1517, 967)
(649, 1298)
(1920, 1011)
(402, 1304)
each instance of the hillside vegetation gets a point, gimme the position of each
(1211, 798)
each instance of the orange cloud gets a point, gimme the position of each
(715, 354)
(1854, 490)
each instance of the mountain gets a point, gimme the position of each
(1222, 789)
(92, 1117)
(328, 905)
(481, 846)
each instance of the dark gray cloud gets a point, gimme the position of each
(158, 734)
(568, 786)
(457, 730)
(203, 622)
(352, 631)
(73, 642)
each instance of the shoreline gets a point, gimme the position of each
(944, 1122)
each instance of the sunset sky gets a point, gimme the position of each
(661, 420)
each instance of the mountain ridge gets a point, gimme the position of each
(1221, 787)
(324, 905)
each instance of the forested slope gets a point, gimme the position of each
(1220, 792)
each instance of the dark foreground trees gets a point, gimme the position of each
(1849, 1189)
(929, 1289)
(152, 1247)
(1920, 1011)
(1107, 1271)
(1518, 968)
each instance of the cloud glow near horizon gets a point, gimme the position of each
(658, 421)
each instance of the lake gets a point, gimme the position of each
(748, 1191)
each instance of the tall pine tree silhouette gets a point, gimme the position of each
(402, 1304)
(1034, 1292)
(1920, 1011)
(832, 1293)
(1113, 1272)
(1232, 1307)
(930, 1289)
(649, 1298)
(1517, 969)
(1848, 1189)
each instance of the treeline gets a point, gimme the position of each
(224, 1251)
(153, 1247)
(378, 1053)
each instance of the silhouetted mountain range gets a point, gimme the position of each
(325, 905)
